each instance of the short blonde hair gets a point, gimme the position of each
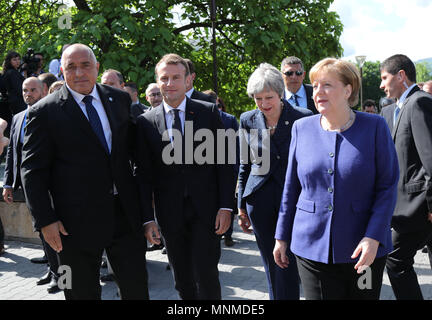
(346, 72)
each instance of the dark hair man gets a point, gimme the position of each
(412, 133)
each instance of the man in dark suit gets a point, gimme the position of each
(32, 92)
(412, 135)
(193, 200)
(137, 107)
(78, 180)
(296, 93)
(190, 90)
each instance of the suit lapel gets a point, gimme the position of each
(414, 89)
(17, 131)
(79, 120)
(108, 103)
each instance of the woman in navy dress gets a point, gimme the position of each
(266, 131)
(340, 192)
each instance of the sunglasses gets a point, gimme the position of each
(290, 73)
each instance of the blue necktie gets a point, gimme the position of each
(95, 122)
(296, 101)
(396, 113)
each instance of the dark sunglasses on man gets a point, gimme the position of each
(290, 73)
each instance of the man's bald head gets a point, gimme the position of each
(80, 68)
(32, 89)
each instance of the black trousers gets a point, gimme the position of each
(400, 263)
(340, 281)
(194, 251)
(126, 255)
(2, 234)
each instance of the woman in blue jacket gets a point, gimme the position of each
(340, 192)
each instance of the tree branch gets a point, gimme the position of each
(208, 24)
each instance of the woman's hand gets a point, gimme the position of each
(243, 221)
(368, 248)
(279, 254)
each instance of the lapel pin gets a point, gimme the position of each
(286, 123)
(110, 99)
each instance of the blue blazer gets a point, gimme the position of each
(230, 122)
(339, 187)
(248, 182)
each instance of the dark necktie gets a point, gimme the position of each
(396, 113)
(296, 101)
(95, 122)
(176, 123)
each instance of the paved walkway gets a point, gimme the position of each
(241, 273)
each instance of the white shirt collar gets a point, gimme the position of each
(300, 93)
(181, 107)
(404, 95)
(79, 97)
(189, 93)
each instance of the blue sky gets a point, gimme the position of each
(381, 28)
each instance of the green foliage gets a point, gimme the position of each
(131, 36)
(371, 82)
(423, 71)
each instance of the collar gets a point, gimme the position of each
(181, 107)
(301, 93)
(404, 96)
(189, 93)
(78, 96)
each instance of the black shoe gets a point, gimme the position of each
(154, 247)
(425, 250)
(228, 241)
(163, 251)
(45, 279)
(41, 260)
(53, 286)
(2, 250)
(107, 278)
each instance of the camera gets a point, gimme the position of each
(30, 62)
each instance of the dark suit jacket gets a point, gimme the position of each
(137, 109)
(309, 97)
(198, 95)
(248, 182)
(230, 122)
(14, 152)
(412, 136)
(209, 186)
(13, 81)
(63, 156)
(388, 113)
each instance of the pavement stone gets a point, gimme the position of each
(241, 273)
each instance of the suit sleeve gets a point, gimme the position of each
(290, 194)
(9, 166)
(37, 157)
(144, 170)
(421, 126)
(225, 171)
(386, 180)
(245, 166)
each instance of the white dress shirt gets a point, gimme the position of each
(301, 97)
(97, 104)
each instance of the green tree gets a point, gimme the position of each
(423, 71)
(131, 36)
(371, 82)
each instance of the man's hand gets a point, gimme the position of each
(151, 232)
(51, 235)
(243, 221)
(223, 221)
(8, 195)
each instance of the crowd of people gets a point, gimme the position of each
(343, 193)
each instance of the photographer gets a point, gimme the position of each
(32, 64)
(13, 80)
